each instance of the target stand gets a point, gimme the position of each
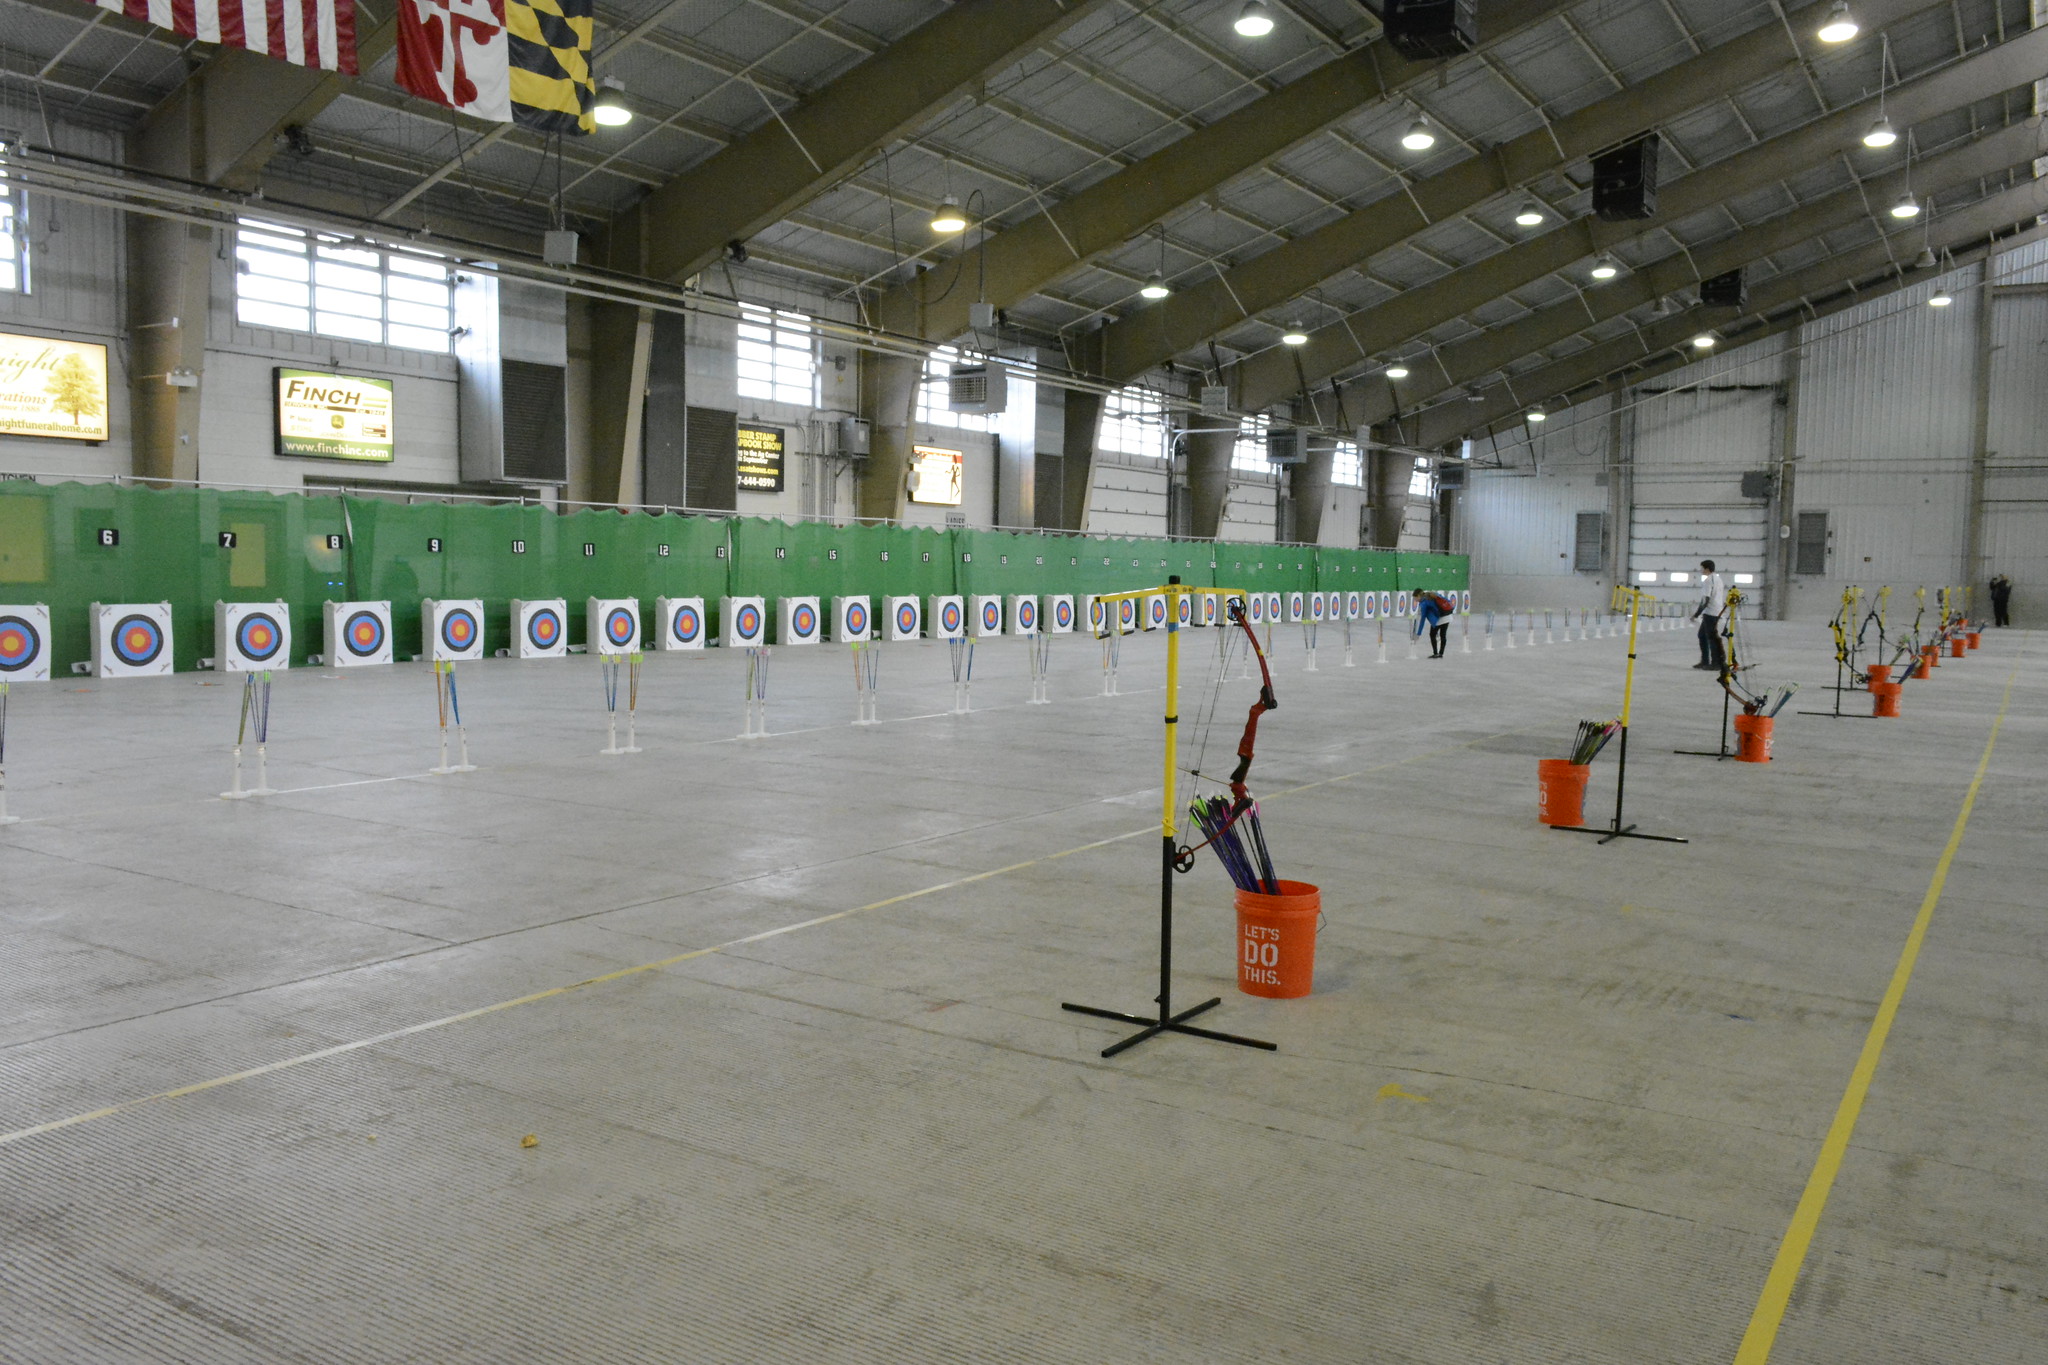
(256, 707)
(612, 664)
(1168, 1019)
(1041, 663)
(757, 694)
(867, 679)
(1724, 751)
(1618, 830)
(450, 701)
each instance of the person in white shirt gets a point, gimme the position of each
(1713, 601)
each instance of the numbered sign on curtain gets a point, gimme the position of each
(452, 631)
(131, 639)
(742, 622)
(25, 643)
(852, 619)
(1127, 613)
(1354, 605)
(612, 624)
(986, 616)
(1155, 611)
(250, 637)
(1056, 613)
(948, 618)
(355, 634)
(679, 623)
(1023, 615)
(1255, 610)
(905, 620)
(798, 621)
(540, 628)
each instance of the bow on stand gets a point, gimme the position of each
(1753, 702)
(1232, 824)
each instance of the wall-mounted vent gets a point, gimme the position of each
(1589, 542)
(511, 360)
(1810, 544)
(979, 389)
(1286, 446)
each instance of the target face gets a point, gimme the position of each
(991, 616)
(687, 625)
(1186, 611)
(459, 629)
(1465, 600)
(544, 628)
(1063, 614)
(856, 620)
(748, 621)
(1098, 615)
(259, 637)
(1127, 613)
(1371, 608)
(363, 633)
(137, 641)
(1401, 606)
(1315, 607)
(1027, 615)
(1158, 611)
(906, 619)
(804, 621)
(621, 626)
(1386, 604)
(1352, 606)
(1272, 606)
(21, 644)
(949, 617)
(1258, 608)
(1208, 611)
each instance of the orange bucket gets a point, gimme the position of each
(1276, 941)
(1928, 662)
(1753, 738)
(1561, 791)
(1885, 699)
(1879, 673)
(1975, 638)
(1956, 647)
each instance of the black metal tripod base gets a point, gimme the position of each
(1608, 834)
(1707, 753)
(1170, 1024)
(1836, 715)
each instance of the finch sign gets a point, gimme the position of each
(52, 388)
(333, 416)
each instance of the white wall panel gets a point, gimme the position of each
(1127, 499)
(1249, 511)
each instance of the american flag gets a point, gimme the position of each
(316, 33)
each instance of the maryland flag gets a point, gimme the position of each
(510, 61)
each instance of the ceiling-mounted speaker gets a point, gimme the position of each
(1429, 30)
(1625, 181)
(1725, 291)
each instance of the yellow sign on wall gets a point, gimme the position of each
(935, 475)
(52, 388)
(333, 416)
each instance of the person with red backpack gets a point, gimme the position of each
(1433, 613)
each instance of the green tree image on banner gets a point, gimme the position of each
(74, 389)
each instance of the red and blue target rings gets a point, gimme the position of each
(259, 637)
(138, 640)
(949, 617)
(1063, 613)
(856, 619)
(686, 626)
(804, 621)
(544, 628)
(906, 619)
(748, 621)
(20, 644)
(459, 629)
(991, 616)
(622, 626)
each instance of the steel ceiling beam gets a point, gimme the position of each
(1367, 335)
(1776, 306)
(799, 153)
(1374, 398)
(1194, 314)
(1019, 261)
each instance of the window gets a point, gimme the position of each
(934, 400)
(13, 246)
(1422, 483)
(1745, 578)
(1681, 578)
(1133, 423)
(778, 356)
(313, 282)
(1348, 466)
(1646, 576)
(1249, 454)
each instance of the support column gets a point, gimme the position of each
(1077, 463)
(1783, 555)
(1208, 445)
(1388, 473)
(1974, 566)
(170, 274)
(1309, 483)
(1620, 492)
(621, 339)
(888, 399)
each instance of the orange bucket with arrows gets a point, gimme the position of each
(1276, 940)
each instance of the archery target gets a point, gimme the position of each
(1404, 603)
(948, 618)
(1465, 602)
(852, 619)
(1208, 613)
(1256, 612)
(1317, 606)
(1354, 605)
(1152, 612)
(1297, 607)
(355, 634)
(540, 628)
(743, 621)
(1370, 611)
(1386, 603)
(679, 623)
(1024, 618)
(1273, 609)
(1126, 614)
(987, 617)
(131, 640)
(452, 630)
(249, 637)
(611, 625)
(1057, 611)
(1097, 613)
(904, 618)
(25, 644)
(1184, 610)
(798, 621)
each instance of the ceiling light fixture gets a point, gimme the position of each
(1907, 207)
(949, 219)
(1925, 260)
(1537, 414)
(1396, 371)
(1703, 342)
(1294, 336)
(1941, 300)
(1419, 137)
(1155, 287)
(1605, 267)
(610, 108)
(1254, 20)
(1530, 214)
(1840, 26)
(1881, 133)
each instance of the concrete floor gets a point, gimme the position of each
(1550, 1101)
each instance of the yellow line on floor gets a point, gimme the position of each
(1784, 1277)
(429, 1025)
